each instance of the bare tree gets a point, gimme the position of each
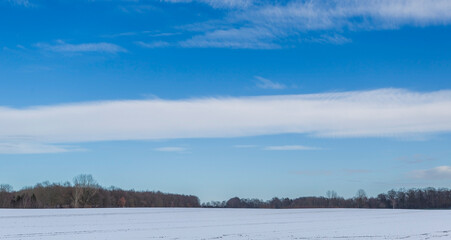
(392, 196)
(361, 198)
(5, 195)
(331, 194)
(85, 187)
(6, 188)
(332, 197)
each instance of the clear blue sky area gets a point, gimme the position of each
(131, 92)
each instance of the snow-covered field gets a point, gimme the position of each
(192, 223)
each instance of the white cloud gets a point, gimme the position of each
(250, 38)
(156, 44)
(273, 24)
(264, 24)
(171, 149)
(377, 113)
(290, 148)
(355, 14)
(34, 148)
(102, 47)
(136, 7)
(329, 39)
(268, 84)
(25, 3)
(441, 172)
(219, 3)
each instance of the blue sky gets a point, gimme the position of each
(227, 98)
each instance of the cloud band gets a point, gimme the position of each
(377, 113)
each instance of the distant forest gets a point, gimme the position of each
(85, 192)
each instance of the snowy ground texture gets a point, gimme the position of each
(192, 223)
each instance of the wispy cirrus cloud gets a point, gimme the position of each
(264, 24)
(35, 148)
(376, 113)
(329, 39)
(437, 173)
(155, 44)
(133, 7)
(25, 3)
(219, 3)
(249, 38)
(64, 47)
(171, 149)
(268, 84)
(276, 24)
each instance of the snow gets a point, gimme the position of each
(195, 223)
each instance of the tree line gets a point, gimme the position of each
(85, 192)
(427, 198)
